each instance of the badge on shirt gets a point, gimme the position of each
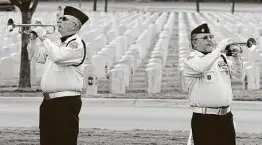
(73, 45)
(210, 77)
(223, 66)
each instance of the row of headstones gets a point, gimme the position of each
(113, 52)
(10, 43)
(10, 68)
(122, 43)
(252, 20)
(157, 60)
(120, 74)
(98, 38)
(184, 48)
(184, 44)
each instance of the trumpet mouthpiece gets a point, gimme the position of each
(10, 24)
(10, 28)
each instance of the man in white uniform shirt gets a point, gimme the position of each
(62, 79)
(210, 91)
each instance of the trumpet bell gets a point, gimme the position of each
(10, 25)
(251, 44)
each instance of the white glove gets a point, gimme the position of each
(39, 31)
(222, 44)
(236, 50)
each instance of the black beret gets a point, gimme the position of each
(200, 29)
(68, 10)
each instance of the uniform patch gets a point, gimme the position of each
(223, 67)
(222, 64)
(73, 45)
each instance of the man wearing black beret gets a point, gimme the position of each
(62, 79)
(210, 90)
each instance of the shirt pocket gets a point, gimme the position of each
(210, 77)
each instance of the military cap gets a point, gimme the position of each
(203, 28)
(68, 10)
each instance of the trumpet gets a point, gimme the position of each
(250, 44)
(11, 25)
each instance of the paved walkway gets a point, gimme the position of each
(128, 114)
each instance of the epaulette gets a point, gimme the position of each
(192, 55)
(84, 45)
(189, 57)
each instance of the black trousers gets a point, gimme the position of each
(59, 121)
(210, 129)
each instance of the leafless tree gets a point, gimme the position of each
(27, 8)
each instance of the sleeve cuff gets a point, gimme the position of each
(46, 43)
(34, 42)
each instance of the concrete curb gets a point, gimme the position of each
(170, 103)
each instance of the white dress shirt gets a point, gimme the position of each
(210, 78)
(59, 74)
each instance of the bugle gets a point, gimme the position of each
(11, 25)
(250, 44)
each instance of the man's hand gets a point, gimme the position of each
(222, 44)
(235, 50)
(33, 36)
(39, 31)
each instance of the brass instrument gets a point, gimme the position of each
(11, 25)
(250, 44)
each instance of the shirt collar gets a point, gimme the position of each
(65, 39)
(197, 53)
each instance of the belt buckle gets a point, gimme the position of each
(204, 110)
(219, 111)
(222, 111)
(46, 96)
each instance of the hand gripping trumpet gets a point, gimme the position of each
(11, 25)
(250, 44)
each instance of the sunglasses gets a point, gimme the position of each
(206, 37)
(63, 18)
